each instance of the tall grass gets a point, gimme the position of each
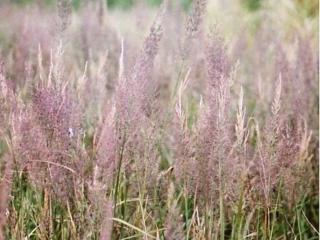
(207, 131)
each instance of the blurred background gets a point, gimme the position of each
(308, 7)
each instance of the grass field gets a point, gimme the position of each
(159, 120)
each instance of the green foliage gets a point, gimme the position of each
(186, 4)
(252, 5)
(154, 2)
(125, 4)
(28, 210)
(309, 8)
(76, 3)
(23, 2)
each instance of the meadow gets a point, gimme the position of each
(164, 120)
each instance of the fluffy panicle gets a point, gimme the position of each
(287, 159)
(142, 142)
(47, 135)
(305, 63)
(106, 226)
(196, 17)
(283, 68)
(58, 116)
(135, 92)
(305, 76)
(240, 128)
(59, 120)
(218, 63)
(276, 104)
(277, 152)
(144, 150)
(173, 224)
(106, 153)
(268, 142)
(193, 27)
(213, 139)
(143, 86)
(185, 165)
(123, 140)
(101, 210)
(277, 163)
(237, 162)
(30, 145)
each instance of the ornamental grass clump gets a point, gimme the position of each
(46, 138)
(207, 131)
(124, 142)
